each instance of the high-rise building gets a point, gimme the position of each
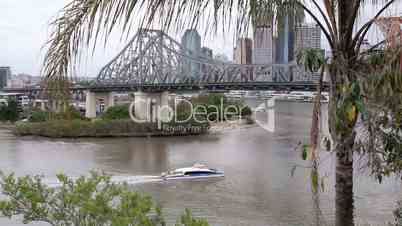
(307, 36)
(263, 45)
(263, 48)
(284, 42)
(5, 73)
(222, 58)
(191, 41)
(207, 52)
(243, 52)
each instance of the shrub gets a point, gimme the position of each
(93, 200)
(246, 111)
(39, 116)
(69, 114)
(101, 128)
(117, 112)
(188, 220)
(398, 215)
(10, 111)
(183, 111)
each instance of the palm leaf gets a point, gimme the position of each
(82, 21)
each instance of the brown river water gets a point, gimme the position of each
(258, 188)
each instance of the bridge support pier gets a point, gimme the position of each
(151, 107)
(90, 105)
(92, 99)
(270, 106)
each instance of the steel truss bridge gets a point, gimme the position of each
(153, 61)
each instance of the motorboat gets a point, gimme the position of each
(197, 171)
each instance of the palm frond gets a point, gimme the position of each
(82, 21)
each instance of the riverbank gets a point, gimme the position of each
(106, 128)
(7, 125)
(228, 126)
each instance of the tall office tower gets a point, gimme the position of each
(191, 41)
(263, 45)
(5, 73)
(307, 36)
(207, 54)
(243, 52)
(285, 39)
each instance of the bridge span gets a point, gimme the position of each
(154, 63)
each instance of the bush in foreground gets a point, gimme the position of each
(398, 215)
(93, 200)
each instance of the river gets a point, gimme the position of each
(258, 188)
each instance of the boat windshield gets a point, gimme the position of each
(198, 173)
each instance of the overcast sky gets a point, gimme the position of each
(24, 27)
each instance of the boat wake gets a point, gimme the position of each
(118, 179)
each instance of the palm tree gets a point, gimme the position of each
(84, 20)
(313, 61)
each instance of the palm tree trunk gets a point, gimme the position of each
(344, 142)
(344, 183)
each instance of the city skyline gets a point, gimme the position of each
(23, 52)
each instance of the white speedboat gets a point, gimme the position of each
(198, 171)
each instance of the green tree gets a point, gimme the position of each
(313, 61)
(38, 115)
(117, 112)
(82, 20)
(188, 220)
(10, 111)
(398, 215)
(93, 200)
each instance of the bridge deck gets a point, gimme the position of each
(285, 86)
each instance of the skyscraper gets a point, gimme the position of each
(191, 41)
(5, 73)
(284, 42)
(263, 45)
(243, 52)
(207, 52)
(307, 36)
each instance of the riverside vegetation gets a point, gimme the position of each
(92, 200)
(9, 112)
(116, 121)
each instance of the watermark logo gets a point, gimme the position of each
(185, 112)
(264, 115)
